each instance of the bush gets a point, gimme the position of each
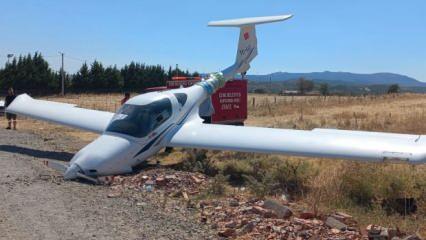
(292, 176)
(198, 162)
(271, 176)
(218, 185)
(236, 170)
(359, 184)
(262, 188)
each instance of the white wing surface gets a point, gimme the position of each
(61, 113)
(248, 21)
(328, 143)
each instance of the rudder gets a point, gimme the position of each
(247, 44)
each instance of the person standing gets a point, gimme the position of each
(11, 118)
(126, 97)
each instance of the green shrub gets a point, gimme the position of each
(198, 162)
(236, 170)
(218, 185)
(364, 184)
(359, 184)
(273, 176)
(262, 188)
(292, 176)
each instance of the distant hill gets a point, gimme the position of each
(342, 78)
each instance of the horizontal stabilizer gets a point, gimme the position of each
(248, 21)
(247, 44)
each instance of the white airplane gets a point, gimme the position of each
(149, 122)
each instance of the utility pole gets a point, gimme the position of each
(62, 75)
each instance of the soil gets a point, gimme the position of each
(36, 203)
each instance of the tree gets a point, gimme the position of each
(96, 76)
(81, 80)
(394, 88)
(32, 72)
(324, 89)
(113, 78)
(170, 73)
(304, 85)
(29, 73)
(259, 90)
(196, 74)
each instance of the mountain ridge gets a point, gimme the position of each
(348, 78)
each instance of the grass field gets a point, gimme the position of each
(322, 185)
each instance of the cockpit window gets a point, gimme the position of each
(140, 120)
(181, 97)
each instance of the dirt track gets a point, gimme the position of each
(35, 203)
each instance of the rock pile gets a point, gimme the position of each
(245, 217)
(375, 232)
(271, 219)
(172, 182)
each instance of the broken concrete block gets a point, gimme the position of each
(307, 215)
(234, 203)
(331, 222)
(412, 237)
(344, 215)
(160, 181)
(277, 208)
(227, 233)
(247, 228)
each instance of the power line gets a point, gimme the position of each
(76, 59)
(53, 56)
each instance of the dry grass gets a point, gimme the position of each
(329, 184)
(394, 113)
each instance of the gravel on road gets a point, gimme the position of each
(35, 202)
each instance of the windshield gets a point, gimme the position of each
(139, 120)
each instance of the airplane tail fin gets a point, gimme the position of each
(247, 45)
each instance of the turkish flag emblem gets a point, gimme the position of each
(246, 35)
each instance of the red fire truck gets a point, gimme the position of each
(229, 102)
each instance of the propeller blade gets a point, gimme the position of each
(56, 165)
(63, 168)
(94, 180)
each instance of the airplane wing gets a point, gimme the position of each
(328, 143)
(61, 113)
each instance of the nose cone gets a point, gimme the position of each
(107, 155)
(71, 172)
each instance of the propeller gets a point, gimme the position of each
(69, 172)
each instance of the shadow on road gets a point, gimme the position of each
(61, 156)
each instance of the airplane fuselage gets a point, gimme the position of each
(140, 128)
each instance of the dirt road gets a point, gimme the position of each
(35, 203)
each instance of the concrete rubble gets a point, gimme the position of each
(270, 219)
(245, 217)
(173, 183)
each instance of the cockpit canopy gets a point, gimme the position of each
(140, 120)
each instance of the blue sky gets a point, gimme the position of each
(362, 36)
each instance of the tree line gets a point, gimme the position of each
(32, 73)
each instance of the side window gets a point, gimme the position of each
(161, 112)
(181, 97)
